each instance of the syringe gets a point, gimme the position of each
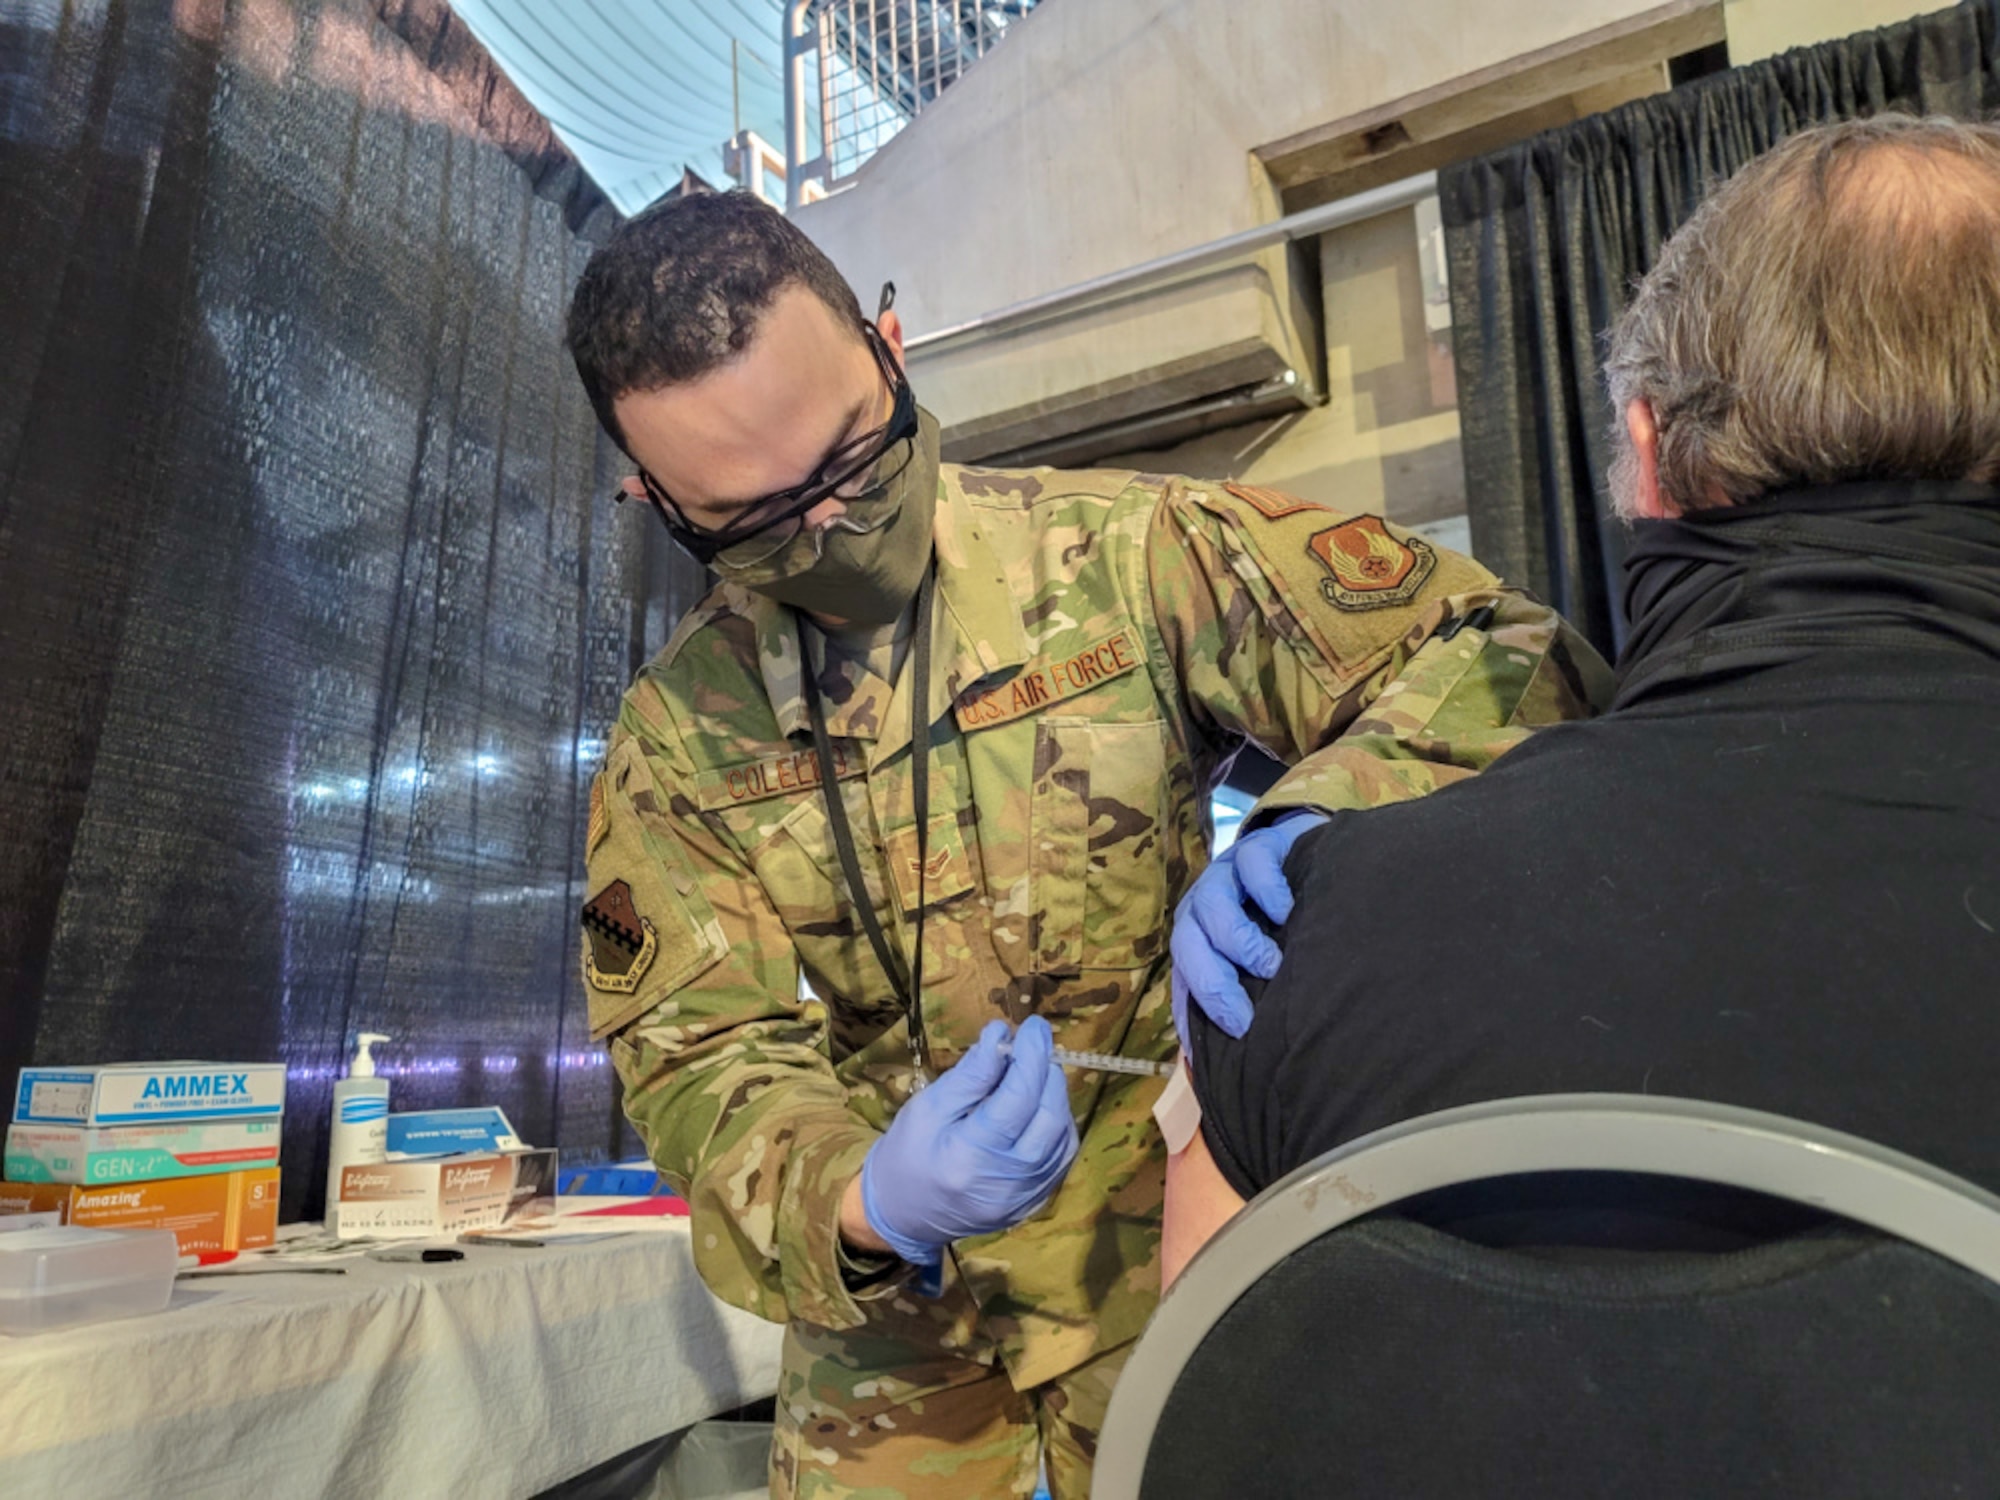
(1109, 1062)
(1100, 1062)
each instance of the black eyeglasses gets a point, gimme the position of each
(854, 471)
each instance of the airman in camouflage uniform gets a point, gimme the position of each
(1102, 643)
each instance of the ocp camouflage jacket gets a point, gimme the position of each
(1103, 642)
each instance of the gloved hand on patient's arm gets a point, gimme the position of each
(1215, 935)
(975, 1152)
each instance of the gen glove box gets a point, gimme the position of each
(150, 1093)
(93, 1154)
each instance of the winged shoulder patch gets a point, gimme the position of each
(1368, 567)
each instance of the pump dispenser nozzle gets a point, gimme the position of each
(364, 1060)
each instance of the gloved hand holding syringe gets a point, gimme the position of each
(981, 1147)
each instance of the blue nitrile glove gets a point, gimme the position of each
(1214, 935)
(977, 1151)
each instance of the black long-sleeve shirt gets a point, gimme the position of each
(1776, 888)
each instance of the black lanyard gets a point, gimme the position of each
(912, 994)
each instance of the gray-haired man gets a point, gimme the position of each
(1769, 876)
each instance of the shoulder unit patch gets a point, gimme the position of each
(619, 944)
(1369, 567)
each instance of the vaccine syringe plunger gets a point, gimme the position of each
(1100, 1062)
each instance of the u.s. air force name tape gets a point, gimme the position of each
(1048, 679)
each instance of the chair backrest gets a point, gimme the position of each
(1389, 1358)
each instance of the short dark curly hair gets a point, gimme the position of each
(679, 289)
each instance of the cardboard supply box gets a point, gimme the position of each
(452, 1132)
(444, 1195)
(137, 1153)
(150, 1093)
(230, 1211)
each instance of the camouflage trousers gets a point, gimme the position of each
(860, 1414)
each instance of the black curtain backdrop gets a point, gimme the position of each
(313, 611)
(1546, 237)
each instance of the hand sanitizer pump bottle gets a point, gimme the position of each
(360, 1122)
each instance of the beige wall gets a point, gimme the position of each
(1104, 133)
(1761, 28)
(1108, 132)
(1386, 440)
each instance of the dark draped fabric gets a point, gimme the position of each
(313, 611)
(1546, 237)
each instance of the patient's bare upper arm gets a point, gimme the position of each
(1199, 1202)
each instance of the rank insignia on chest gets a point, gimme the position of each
(619, 944)
(1048, 679)
(1369, 567)
(945, 871)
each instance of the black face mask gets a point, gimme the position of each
(865, 567)
(1907, 565)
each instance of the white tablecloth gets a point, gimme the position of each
(498, 1375)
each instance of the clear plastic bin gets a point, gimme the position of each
(50, 1278)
